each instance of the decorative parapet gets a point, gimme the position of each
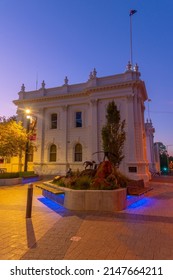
(132, 73)
(22, 92)
(43, 85)
(149, 127)
(23, 88)
(65, 81)
(94, 83)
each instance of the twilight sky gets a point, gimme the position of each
(49, 39)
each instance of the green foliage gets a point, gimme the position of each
(9, 175)
(60, 182)
(83, 183)
(27, 174)
(107, 177)
(113, 135)
(13, 137)
(78, 183)
(162, 148)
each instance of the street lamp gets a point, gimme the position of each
(27, 111)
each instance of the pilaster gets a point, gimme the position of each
(93, 138)
(40, 137)
(64, 127)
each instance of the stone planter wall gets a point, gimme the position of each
(16, 181)
(10, 182)
(94, 200)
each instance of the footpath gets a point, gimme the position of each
(143, 231)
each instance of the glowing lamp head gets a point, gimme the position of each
(28, 111)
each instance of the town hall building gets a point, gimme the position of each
(69, 119)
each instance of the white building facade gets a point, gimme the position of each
(70, 119)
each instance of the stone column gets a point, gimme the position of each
(64, 127)
(40, 136)
(131, 130)
(138, 129)
(93, 123)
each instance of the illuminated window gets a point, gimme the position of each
(78, 119)
(78, 152)
(52, 155)
(53, 121)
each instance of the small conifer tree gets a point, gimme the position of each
(113, 135)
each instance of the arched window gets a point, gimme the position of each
(78, 152)
(52, 155)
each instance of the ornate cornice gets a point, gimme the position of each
(85, 92)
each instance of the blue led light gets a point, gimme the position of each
(142, 203)
(53, 205)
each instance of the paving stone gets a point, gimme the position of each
(142, 231)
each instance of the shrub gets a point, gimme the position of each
(60, 182)
(82, 183)
(106, 177)
(27, 174)
(9, 175)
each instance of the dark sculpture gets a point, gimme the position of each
(69, 172)
(89, 163)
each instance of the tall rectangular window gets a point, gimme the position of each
(53, 121)
(78, 119)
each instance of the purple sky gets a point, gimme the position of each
(50, 39)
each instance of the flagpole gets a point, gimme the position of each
(131, 51)
(132, 12)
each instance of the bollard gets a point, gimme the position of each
(29, 201)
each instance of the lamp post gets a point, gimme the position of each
(27, 143)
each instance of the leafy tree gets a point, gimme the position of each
(162, 148)
(163, 154)
(13, 137)
(113, 135)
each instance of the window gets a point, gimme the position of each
(30, 154)
(52, 155)
(78, 119)
(78, 152)
(53, 121)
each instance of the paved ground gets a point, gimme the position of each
(143, 231)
